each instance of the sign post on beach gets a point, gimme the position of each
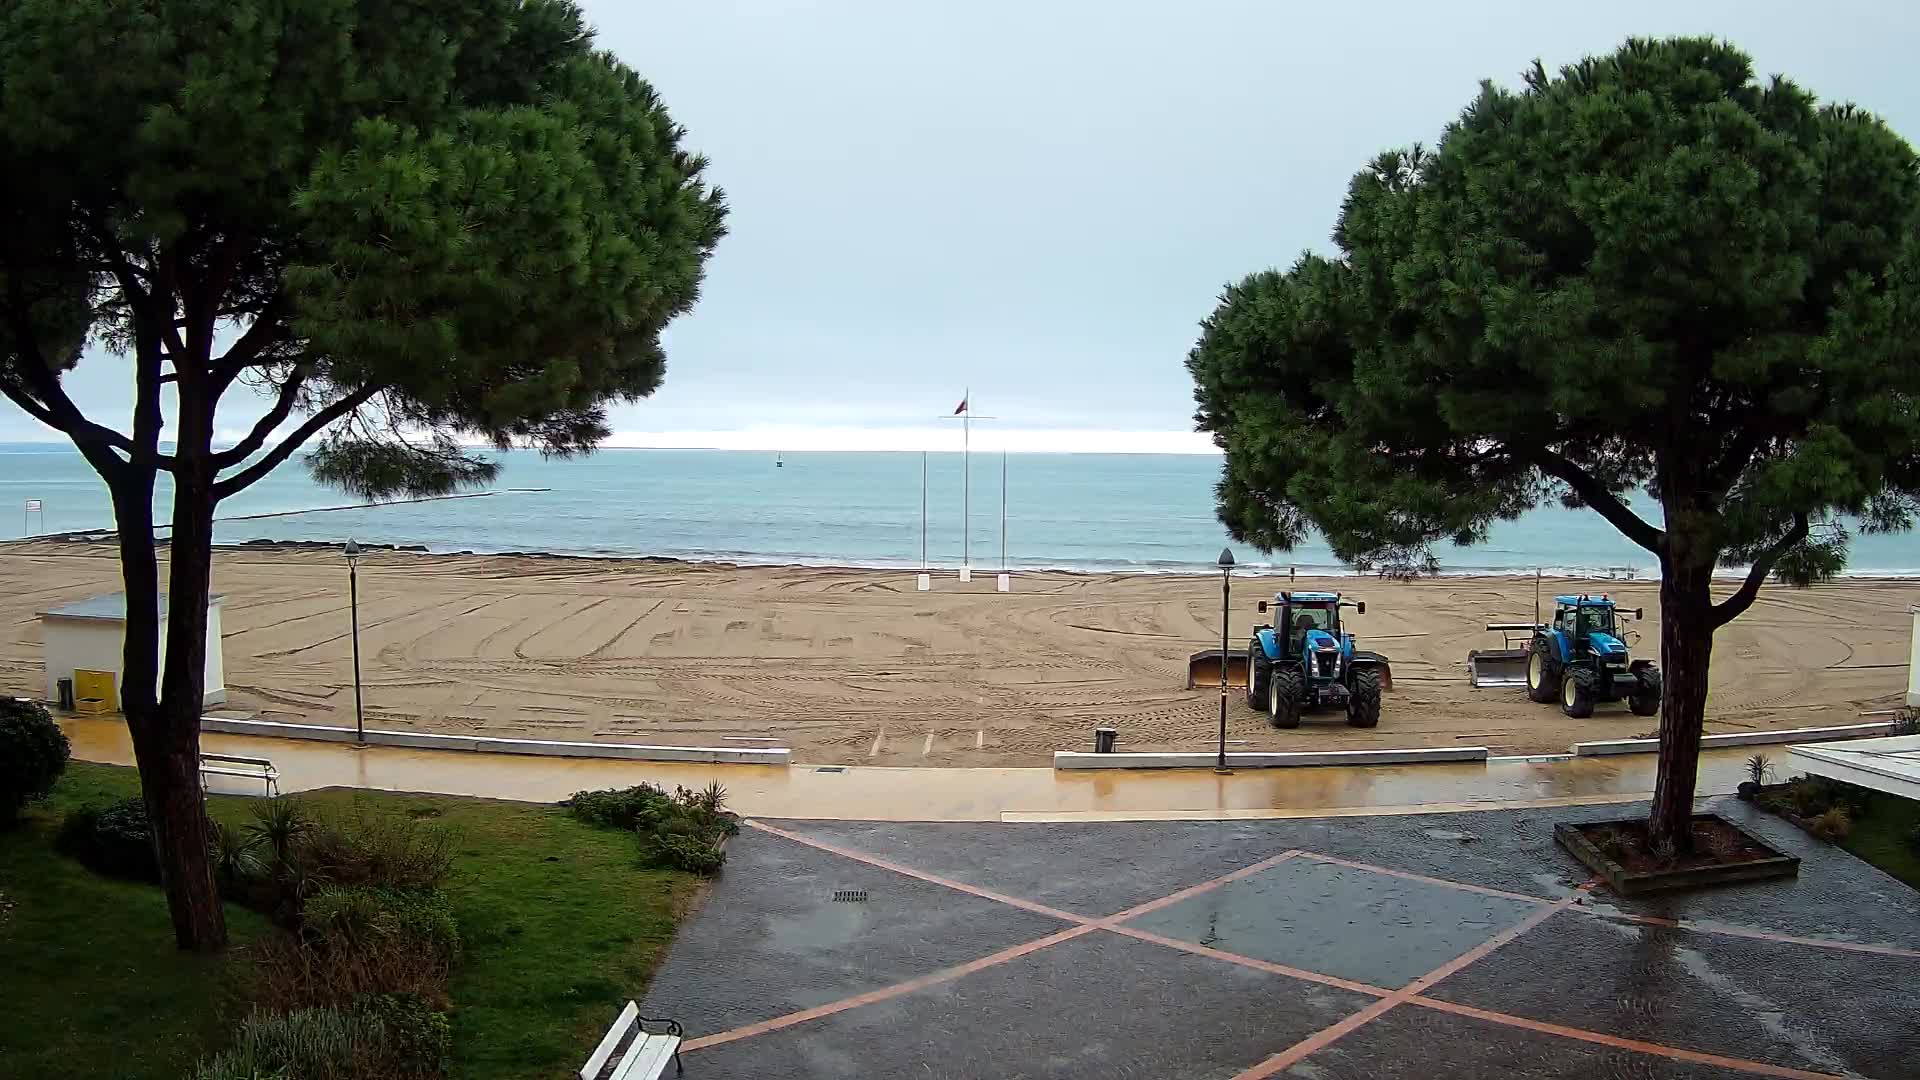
(34, 506)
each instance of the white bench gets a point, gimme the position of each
(252, 768)
(629, 1053)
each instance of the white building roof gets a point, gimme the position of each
(1891, 764)
(107, 607)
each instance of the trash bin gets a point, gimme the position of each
(1103, 738)
(66, 694)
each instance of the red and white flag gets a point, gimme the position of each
(962, 408)
(33, 506)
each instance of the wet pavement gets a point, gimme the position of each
(1425, 947)
(943, 794)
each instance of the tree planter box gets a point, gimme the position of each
(1770, 862)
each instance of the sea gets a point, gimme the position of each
(1140, 513)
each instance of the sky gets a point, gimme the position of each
(1037, 203)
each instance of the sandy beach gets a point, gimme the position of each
(856, 667)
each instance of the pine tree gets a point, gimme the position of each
(405, 221)
(1649, 272)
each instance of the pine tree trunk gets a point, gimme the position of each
(166, 751)
(1686, 647)
(182, 831)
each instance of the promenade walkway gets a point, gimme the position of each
(945, 794)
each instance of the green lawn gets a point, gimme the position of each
(561, 927)
(92, 982)
(1881, 836)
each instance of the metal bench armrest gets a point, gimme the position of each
(674, 1029)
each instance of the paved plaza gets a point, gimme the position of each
(1425, 947)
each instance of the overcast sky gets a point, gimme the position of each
(1041, 201)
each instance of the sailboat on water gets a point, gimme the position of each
(779, 461)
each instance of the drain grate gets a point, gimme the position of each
(850, 896)
(831, 768)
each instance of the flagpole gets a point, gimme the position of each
(1003, 504)
(923, 510)
(966, 416)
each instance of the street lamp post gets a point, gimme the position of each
(1226, 609)
(352, 552)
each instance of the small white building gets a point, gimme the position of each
(90, 635)
(1891, 764)
(1913, 660)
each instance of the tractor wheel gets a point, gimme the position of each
(1576, 693)
(1284, 691)
(1645, 699)
(1363, 708)
(1259, 670)
(1543, 673)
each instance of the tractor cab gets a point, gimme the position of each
(1587, 626)
(1306, 622)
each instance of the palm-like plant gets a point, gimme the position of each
(236, 855)
(279, 824)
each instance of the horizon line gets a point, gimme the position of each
(861, 440)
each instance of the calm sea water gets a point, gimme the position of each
(1078, 511)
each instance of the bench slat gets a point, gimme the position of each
(235, 759)
(628, 1017)
(648, 1058)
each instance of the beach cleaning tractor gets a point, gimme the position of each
(1576, 659)
(1304, 660)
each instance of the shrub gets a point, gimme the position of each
(306, 1044)
(1759, 767)
(1810, 796)
(417, 1040)
(381, 850)
(300, 855)
(682, 852)
(422, 917)
(278, 827)
(710, 805)
(682, 830)
(237, 859)
(620, 808)
(356, 940)
(33, 753)
(114, 840)
(1831, 825)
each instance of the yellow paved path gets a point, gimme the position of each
(940, 794)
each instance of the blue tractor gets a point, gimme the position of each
(1304, 660)
(1579, 659)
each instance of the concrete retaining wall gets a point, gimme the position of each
(1744, 738)
(707, 755)
(1247, 759)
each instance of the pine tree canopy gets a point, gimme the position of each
(1649, 271)
(405, 221)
